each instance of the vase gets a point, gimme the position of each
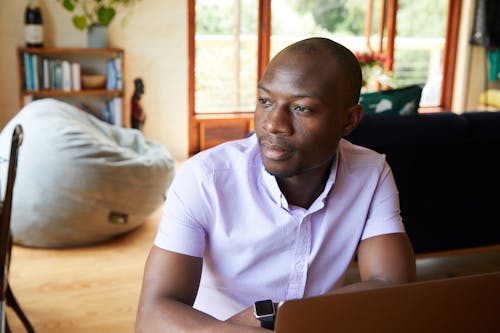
(97, 36)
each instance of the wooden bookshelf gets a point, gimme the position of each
(91, 60)
(54, 93)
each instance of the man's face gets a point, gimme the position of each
(300, 116)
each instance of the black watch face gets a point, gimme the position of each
(263, 308)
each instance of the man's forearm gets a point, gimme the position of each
(172, 316)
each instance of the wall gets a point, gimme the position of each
(155, 43)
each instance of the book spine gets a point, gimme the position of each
(31, 72)
(111, 75)
(117, 111)
(26, 71)
(76, 75)
(119, 73)
(36, 82)
(58, 74)
(46, 74)
(66, 75)
(52, 69)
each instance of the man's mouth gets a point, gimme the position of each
(276, 151)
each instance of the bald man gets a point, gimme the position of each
(279, 215)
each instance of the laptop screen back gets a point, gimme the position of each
(465, 304)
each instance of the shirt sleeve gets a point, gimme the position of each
(384, 216)
(182, 227)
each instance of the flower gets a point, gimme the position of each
(372, 70)
(370, 58)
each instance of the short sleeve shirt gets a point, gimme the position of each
(225, 207)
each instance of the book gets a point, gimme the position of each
(116, 111)
(66, 75)
(106, 114)
(58, 74)
(76, 76)
(52, 75)
(46, 74)
(35, 61)
(119, 74)
(111, 75)
(30, 70)
(26, 71)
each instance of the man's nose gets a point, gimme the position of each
(279, 120)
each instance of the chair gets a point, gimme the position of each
(6, 296)
(99, 181)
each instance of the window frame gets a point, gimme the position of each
(203, 128)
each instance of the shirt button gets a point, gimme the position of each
(299, 266)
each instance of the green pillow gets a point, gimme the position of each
(401, 101)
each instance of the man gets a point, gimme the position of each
(279, 215)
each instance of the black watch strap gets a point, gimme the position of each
(265, 312)
(267, 323)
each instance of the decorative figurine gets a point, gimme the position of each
(137, 116)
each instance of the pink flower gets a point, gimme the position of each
(370, 58)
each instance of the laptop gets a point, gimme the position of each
(464, 304)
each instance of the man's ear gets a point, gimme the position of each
(353, 117)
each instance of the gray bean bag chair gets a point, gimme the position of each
(80, 180)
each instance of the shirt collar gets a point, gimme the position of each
(274, 191)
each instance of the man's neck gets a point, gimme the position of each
(303, 189)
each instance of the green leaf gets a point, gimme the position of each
(80, 21)
(69, 5)
(105, 15)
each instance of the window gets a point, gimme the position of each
(231, 42)
(225, 55)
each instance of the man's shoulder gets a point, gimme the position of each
(355, 157)
(231, 155)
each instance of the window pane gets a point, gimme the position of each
(226, 55)
(339, 20)
(419, 46)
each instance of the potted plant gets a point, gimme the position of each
(95, 16)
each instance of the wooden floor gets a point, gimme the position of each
(96, 289)
(91, 289)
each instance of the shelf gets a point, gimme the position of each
(42, 93)
(50, 65)
(65, 50)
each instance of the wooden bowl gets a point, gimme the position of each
(93, 81)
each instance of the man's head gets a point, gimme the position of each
(307, 100)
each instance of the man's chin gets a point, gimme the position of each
(281, 173)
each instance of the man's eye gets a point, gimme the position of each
(301, 109)
(264, 101)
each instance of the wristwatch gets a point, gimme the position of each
(265, 312)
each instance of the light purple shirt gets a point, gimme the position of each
(223, 206)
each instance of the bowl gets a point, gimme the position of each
(93, 81)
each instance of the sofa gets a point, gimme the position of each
(447, 170)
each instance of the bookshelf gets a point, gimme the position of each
(57, 73)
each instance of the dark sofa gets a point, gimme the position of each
(447, 169)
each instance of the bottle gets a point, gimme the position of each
(33, 28)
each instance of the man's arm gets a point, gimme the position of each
(170, 285)
(384, 260)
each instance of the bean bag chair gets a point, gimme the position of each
(80, 180)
